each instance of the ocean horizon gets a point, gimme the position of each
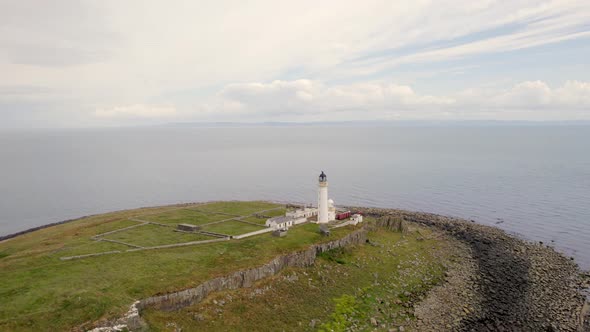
(530, 180)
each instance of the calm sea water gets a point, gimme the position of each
(531, 181)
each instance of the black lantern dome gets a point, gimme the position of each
(323, 177)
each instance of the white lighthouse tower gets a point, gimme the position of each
(323, 216)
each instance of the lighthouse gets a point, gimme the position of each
(323, 216)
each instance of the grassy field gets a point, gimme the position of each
(238, 208)
(90, 247)
(259, 221)
(232, 227)
(153, 235)
(344, 289)
(185, 216)
(275, 213)
(40, 292)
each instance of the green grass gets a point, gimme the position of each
(113, 225)
(90, 247)
(39, 292)
(238, 208)
(271, 213)
(185, 216)
(346, 306)
(259, 221)
(344, 289)
(275, 213)
(231, 227)
(154, 235)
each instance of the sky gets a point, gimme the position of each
(120, 63)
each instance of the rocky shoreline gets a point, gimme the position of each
(505, 283)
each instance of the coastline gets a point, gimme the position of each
(517, 285)
(33, 229)
(36, 228)
(502, 283)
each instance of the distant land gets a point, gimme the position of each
(404, 123)
(360, 123)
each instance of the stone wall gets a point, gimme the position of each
(173, 301)
(247, 278)
(262, 231)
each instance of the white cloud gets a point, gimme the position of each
(136, 111)
(537, 24)
(307, 99)
(531, 95)
(178, 53)
(63, 33)
(313, 96)
(574, 94)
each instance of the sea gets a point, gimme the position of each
(531, 180)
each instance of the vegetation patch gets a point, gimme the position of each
(238, 208)
(366, 287)
(40, 292)
(273, 213)
(112, 226)
(154, 235)
(259, 221)
(185, 216)
(231, 227)
(90, 247)
(337, 255)
(346, 306)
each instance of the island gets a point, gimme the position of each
(270, 266)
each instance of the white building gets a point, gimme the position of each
(306, 212)
(356, 218)
(284, 222)
(326, 209)
(331, 210)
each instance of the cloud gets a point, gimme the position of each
(574, 94)
(304, 96)
(64, 33)
(477, 30)
(139, 53)
(531, 95)
(136, 111)
(309, 99)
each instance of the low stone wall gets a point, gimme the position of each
(173, 301)
(262, 231)
(184, 244)
(247, 278)
(346, 223)
(140, 223)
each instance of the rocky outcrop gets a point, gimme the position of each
(393, 224)
(131, 321)
(519, 285)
